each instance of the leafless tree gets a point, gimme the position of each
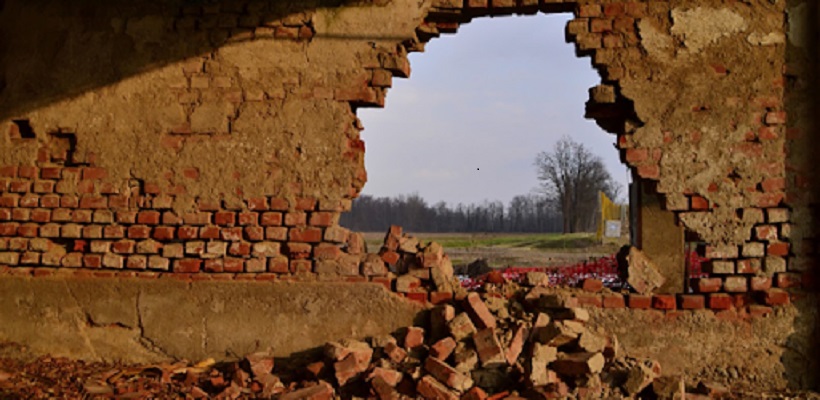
(571, 177)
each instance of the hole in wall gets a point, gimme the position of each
(23, 129)
(456, 143)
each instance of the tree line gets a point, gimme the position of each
(565, 200)
(524, 213)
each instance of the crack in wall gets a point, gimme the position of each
(145, 341)
(81, 325)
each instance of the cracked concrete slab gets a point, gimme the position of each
(140, 320)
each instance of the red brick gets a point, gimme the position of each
(92, 231)
(308, 235)
(327, 251)
(248, 218)
(20, 214)
(599, 25)
(589, 300)
(649, 171)
(773, 184)
(614, 9)
(258, 204)
(164, 233)
(225, 218)
(748, 266)
(441, 297)
(51, 172)
(197, 218)
(231, 234)
(84, 187)
(305, 204)
(29, 201)
(322, 218)
(123, 246)
(136, 262)
(760, 283)
(756, 310)
(278, 265)
(5, 214)
(8, 171)
(776, 297)
(190, 173)
(635, 9)
(778, 249)
(93, 173)
(640, 301)
(187, 265)
(30, 258)
(613, 301)
(720, 301)
(92, 261)
(663, 301)
(93, 202)
(239, 249)
(69, 201)
(692, 301)
(708, 285)
(390, 257)
(82, 216)
(768, 200)
(736, 284)
(479, 312)
(27, 171)
(210, 232)
(233, 265)
(188, 232)
(740, 300)
(278, 233)
(588, 10)
(254, 233)
(43, 187)
(295, 218)
(301, 266)
(20, 186)
(28, 230)
(50, 201)
(766, 232)
(9, 200)
(418, 297)
(271, 219)
(114, 232)
(788, 280)
(214, 265)
(775, 118)
(592, 285)
(171, 218)
(277, 204)
(139, 232)
(118, 201)
(148, 217)
(61, 215)
(699, 203)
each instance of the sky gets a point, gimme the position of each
(477, 109)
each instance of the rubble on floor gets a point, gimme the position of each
(533, 345)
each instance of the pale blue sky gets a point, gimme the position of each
(478, 107)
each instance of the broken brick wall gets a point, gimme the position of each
(221, 137)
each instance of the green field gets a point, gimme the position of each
(520, 249)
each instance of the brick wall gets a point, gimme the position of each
(222, 138)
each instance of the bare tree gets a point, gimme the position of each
(571, 177)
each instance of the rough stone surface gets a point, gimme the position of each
(642, 274)
(139, 320)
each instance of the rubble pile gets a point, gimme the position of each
(419, 268)
(535, 345)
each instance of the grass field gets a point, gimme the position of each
(519, 249)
